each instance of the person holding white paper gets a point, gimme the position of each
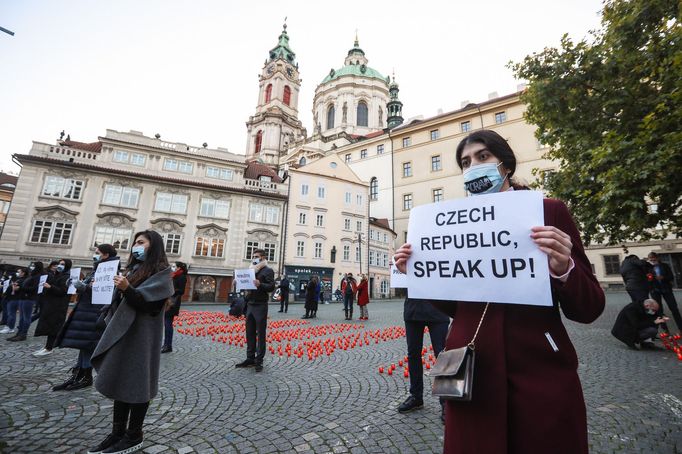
(29, 296)
(55, 304)
(526, 395)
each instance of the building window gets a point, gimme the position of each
(215, 208)
(407, 202)
(171, 203)
(465, 126)
(300, 248)
(500, 117)
(304, 189)
(380, 149)
(346, 224)
(263, 213)
(348, 197)
(117, 237)
(121, 156)
(437, 195)
(358, 226)
(363, 154)
(358, 199)
(50, 232)
(374, 189)
(287, 95)
(209, 247)
(347, 157)
(330, 117)
(318, 250)
(172, 242)
(302, 161)
(357, 253)
(220, 173)
(435, 134)
(173, 165)
(301, 218)
(384, 287)
(436, 164)
(407, 169)
(136, 159)
(170, 164)
(362, 113)
(611, 265)
(258, 142)
(346, 252)
(268, 93)
(385, 238)
(320, 192)
(64, 188)
(319, 220)
(120, 196)
(407, 141)
(269, 249)
(250, 247)
(372, 256)
(185, 167)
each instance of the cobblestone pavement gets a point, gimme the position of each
(337, 403)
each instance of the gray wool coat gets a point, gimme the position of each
(128, 354)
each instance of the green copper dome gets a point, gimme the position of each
(354, 70)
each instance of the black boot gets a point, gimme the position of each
(131, 442)
(350, 317)
(307, 314)
(75, 374)
(83, 382)
(114, 437)
(346, 312)
(314, 314)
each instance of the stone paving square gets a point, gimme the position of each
(336, 403)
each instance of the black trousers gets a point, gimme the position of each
(638, 295)
(414, 332)
(256, 325)
(669, 296)
(284, 304)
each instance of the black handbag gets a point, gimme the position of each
(453, 373)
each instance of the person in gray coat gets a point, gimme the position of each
(128, 354)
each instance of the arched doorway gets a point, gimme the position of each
(204, 289)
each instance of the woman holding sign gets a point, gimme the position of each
(30, 289)
(55, 304)
(526, 395)
(128, 354)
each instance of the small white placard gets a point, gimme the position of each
(74, 275)
(41, 283)
(244, 279)
(398, 279)
(103, 283)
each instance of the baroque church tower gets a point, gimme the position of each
(275, 124)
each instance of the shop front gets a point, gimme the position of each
(299, 276)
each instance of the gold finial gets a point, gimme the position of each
(356, 38)
(285, 23)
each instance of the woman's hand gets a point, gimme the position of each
(401, 255)
(46, 285)
(557, 245)
(121, 283)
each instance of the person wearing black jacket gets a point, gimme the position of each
(284, 295)
(81, 329)
(637, 322)
(28, 298)
(634, 272)
(55, 304)
(179, 275)
(310, 297)
(420, 314)
(257, 311)
(663, 287)
(14, 297)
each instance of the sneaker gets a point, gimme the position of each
(7, 330)
(43, 352)
(410, 404)
(245, 363)
(129, 443)
(259, 367)
(75, 375)
(108, 442)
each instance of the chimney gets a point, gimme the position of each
(493, 95)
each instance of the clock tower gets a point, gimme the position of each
(275, 124)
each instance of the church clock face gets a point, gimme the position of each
(290, 72)
(270, 70)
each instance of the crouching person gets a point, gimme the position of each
(128, 354)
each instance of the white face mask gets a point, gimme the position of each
(255, 261)
(174, 268)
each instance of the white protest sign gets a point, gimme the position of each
(398, 279)
(5, 285)
(41, 283)
(103, 283)
(479, 249)
(74, 275)
(244, 279)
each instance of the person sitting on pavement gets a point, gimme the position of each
(637, 324)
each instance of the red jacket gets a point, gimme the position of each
(354, 286)
(363, 293)
(526, 398)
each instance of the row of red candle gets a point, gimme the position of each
(427, 359)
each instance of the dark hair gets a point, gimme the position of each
(154, 261)
(25, 270)
(499, 147)
(259, 251)
(653, 254)
(53, 263)
(38, 268)
(107, 249)
(67, 264)
(182, 266)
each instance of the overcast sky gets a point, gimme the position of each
(188, 70)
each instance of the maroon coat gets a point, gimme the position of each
(363, 293)
(526, 399)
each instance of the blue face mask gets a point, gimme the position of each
(483, 179)
(138, 252)
(96, 258)
(60, 268)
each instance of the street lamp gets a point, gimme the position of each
(480, 115)
(360, 234)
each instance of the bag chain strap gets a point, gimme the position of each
(480, 322)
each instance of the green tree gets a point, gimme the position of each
(610, 109)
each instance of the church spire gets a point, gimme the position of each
(282, 49)
(394, 106)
